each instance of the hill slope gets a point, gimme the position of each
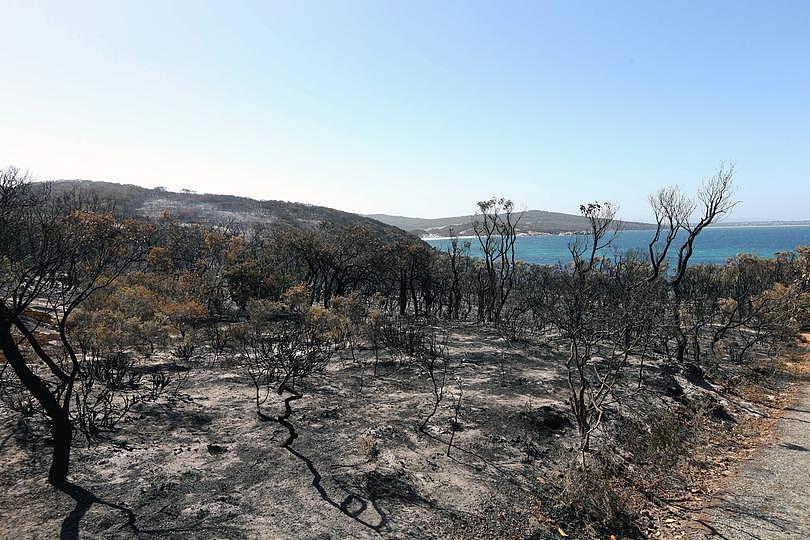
(208, 208)
(531, 222)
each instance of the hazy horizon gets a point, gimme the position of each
(649, 219)
(415, 109)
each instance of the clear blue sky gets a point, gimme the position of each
(414, 108)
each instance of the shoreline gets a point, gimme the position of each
(541, 235)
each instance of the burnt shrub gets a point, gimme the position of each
(589, 495)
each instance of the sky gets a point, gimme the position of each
(414, 108)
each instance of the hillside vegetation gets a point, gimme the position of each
(204, 208)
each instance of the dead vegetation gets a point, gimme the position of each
(289, 383)
(508, 471)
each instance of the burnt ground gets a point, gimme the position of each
(340, 463)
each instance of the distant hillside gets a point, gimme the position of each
(531, 222)
(206, 208)
(761, 223)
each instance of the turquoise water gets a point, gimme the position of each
(714, 245)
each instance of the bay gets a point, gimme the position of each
(715, 245)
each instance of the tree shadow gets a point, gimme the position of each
(514, 478)
(741, 521)
(84, 500)
(353, 505)
(787, 418)
(19, 432)
(797, 447)
(712, 531)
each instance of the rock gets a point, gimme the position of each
(721, 413)
(215, 449)
(694, 374)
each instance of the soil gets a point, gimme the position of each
(337, 462)
(341, 464)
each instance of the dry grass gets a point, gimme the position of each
(592, 495)
(368, 447)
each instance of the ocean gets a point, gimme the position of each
(714, 245)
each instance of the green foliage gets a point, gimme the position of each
(249, 279)
(129, 316)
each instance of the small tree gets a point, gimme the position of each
(458, 254)
(434, 362)
(602, 316)
(673, 212)
(351, 314)
(55, 254)
(284, 342)
(454, 425)
(375, 323)
(183, 314)
(496, 229)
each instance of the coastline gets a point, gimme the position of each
(519, 235)
(576, 233)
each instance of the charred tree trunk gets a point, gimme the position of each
(61, 427)
(403, 293)
(62, 431)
